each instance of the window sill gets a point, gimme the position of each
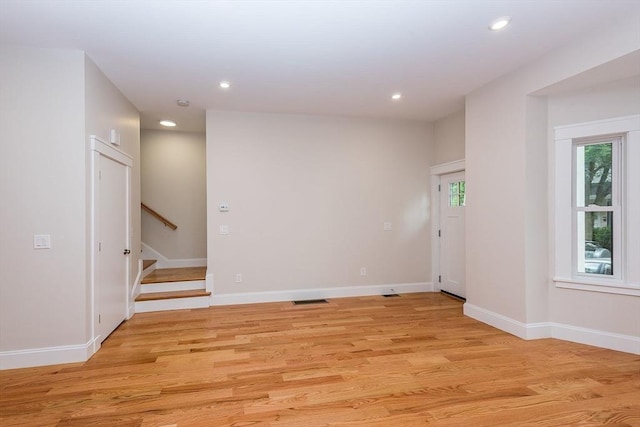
(593, 286)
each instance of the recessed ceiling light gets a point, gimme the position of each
(225, 85)
(396, 96)
(183, 103)
(500, 23)
(167, 123)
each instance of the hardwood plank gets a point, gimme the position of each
(368, 361)
(182, 274)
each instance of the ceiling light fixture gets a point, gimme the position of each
(168, 123)
(396, 96)
(225, 85)
(183, 103)
(500, 23)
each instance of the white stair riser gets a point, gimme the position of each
(172, 286)
(172, 304)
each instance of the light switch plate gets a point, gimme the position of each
(42, 241)
(224, 229)
(114, 137)
(224, 207)
(387, 226)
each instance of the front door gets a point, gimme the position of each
(113, 245)
(452, 240)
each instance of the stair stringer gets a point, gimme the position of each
(135, 290)
(163, 262)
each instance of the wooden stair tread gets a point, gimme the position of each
(146, 263)
(183, 274)
(153, 296)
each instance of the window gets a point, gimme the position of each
(596, 219)
(596, 232)
(456, 194)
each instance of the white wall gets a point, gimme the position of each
(581, 308)
(603, 101)
(495, 209)
(43, 292)
(107, 108)
(50, 101)
(174, 184)
(536, 249)
(308, 197)
(507, 275)
(448, 136)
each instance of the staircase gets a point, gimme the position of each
(171, 288)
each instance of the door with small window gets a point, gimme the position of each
(451, 234)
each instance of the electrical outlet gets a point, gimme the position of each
(363, 271)
(238, 278)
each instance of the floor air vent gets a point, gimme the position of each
(390, 295)
(310, 301)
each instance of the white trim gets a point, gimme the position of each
(303, 294)
(163, 262)
(172, 304)
(612, 341)
(33, 357)
(608, 288)
(529, 331)
(172, 286)
(135, 289)
(436, 172)
(627, 244)
(507, 324)
(598, 127)
(99, 147)
(208, 280)
(445, 168)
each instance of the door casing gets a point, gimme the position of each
(436, 172)
(99, 148)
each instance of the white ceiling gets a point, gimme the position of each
(303, 56)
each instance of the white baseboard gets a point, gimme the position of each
(163, 262)
(304, 294)
(529, 331)
(504, 323)
(619, 342)
(33, 357)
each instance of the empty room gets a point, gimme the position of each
(319, 213)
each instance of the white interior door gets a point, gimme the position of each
(452, 240)
(112, 213)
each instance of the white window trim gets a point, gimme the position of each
(628, 281)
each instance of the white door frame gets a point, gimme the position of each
(99, 148)
(436, 172)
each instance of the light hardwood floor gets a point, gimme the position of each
(377, 362)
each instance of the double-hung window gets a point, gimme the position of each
(596, 232)
(597, 220)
